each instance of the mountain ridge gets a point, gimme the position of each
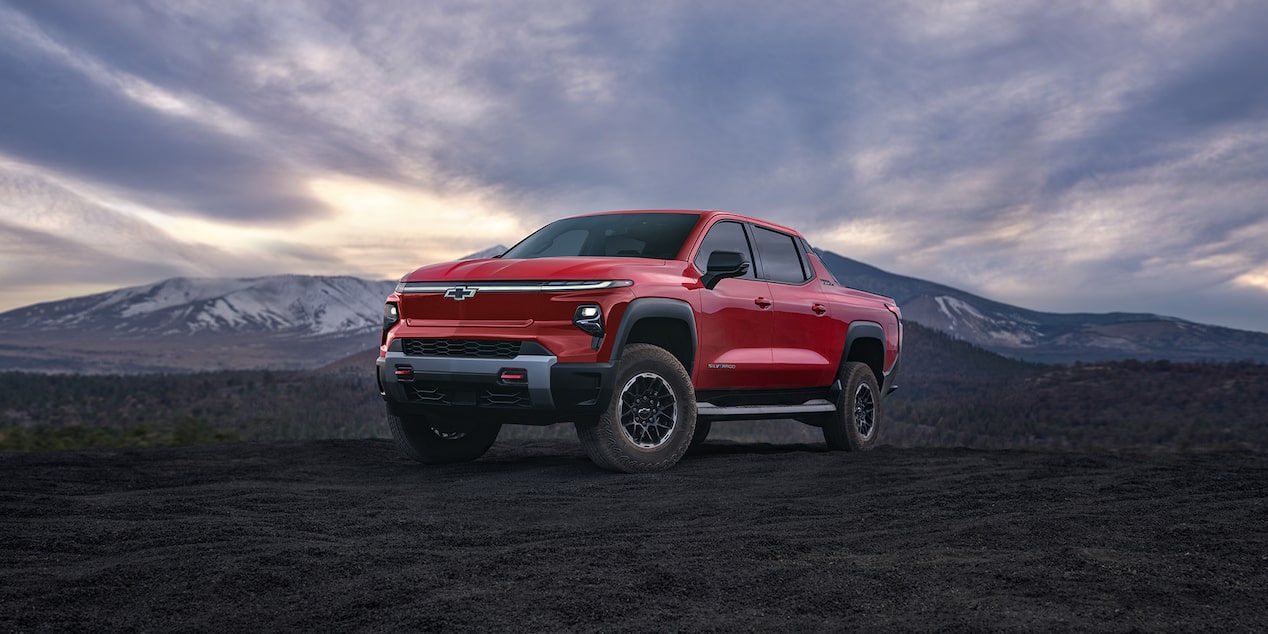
(304, 321)
(1050, 337)
(317, 305)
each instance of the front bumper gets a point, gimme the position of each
(457, 388)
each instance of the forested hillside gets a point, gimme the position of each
(951, 394)
(141, 410)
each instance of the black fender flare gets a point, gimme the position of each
(863, 330)
(645, 307)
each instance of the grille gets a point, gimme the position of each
(466, 348)
(506, 397)
(469, 395)
(426, 393)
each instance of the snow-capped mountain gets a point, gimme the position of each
(1050, 337)
(284, 304)
(295, 321)
(184, 324)
(305, 305)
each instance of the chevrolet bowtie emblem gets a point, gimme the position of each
(459, 293)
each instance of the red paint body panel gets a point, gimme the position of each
(750, 333)
(735, 336)
(807, 345)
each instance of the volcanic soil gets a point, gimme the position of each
(338, 535)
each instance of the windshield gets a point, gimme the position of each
(636, 235)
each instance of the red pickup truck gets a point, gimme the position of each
(641, 328)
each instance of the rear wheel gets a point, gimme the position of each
(855, 425)
(651, 418)
(425, 443)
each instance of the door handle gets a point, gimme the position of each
(819, 309)
(763, 302)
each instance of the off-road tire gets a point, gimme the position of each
(856, 424)
(424, 443)
(651, 419)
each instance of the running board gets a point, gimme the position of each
(815, 406)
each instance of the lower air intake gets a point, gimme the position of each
(462, 348)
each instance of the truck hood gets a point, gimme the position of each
(497, 269)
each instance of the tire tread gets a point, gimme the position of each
(838, 428)
(603, 441)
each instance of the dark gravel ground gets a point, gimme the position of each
(338, 535)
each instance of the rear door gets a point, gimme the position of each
(806, 343)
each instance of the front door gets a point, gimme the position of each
(734, 323)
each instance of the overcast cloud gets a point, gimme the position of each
(1061, 156)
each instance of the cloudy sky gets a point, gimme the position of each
(1063, 156)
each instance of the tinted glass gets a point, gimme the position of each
(780, 261)
(724, 236)
(658, 236)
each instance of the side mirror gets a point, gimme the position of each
(723, 264)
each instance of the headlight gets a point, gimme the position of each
(391, 315)
(589, 317)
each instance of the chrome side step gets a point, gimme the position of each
(814, 406)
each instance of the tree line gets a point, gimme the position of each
(951, 394)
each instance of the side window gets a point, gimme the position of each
(724, 236)
(780, 260)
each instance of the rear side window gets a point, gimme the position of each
(780, 260)
(724, 236)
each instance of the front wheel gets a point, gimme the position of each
(651, 419)
(421, 441)
(855, 425)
